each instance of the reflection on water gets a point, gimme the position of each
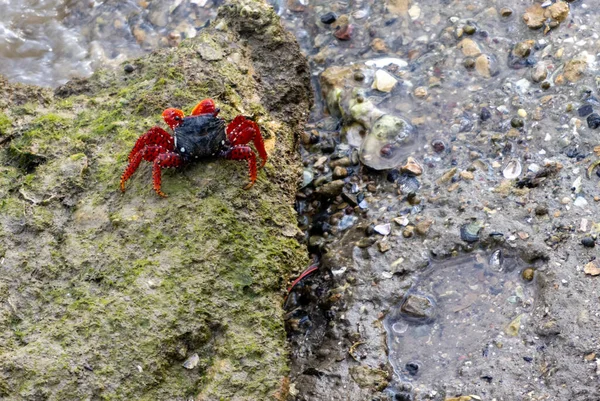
(48, 42)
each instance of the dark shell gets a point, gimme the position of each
(200, 137)
(470, 232)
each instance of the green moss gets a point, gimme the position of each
(5, 124)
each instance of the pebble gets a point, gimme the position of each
(408, 232)
(539, 73)
(580, 202)
(528, 274)
(422, 227)
(418, 306)
(506, 12)
(516, 122)
(593, 120)
(384, 81)
(585, 110)
(588, 242)
(438, 145)
(541, 210)
(378, 45)
(340, 172)
(331, 189)
(128, 68)
(421, 92)
(412, 167)
(328, 18)
(522, 113)
(469, 47)
(485, 114)
(467, 175)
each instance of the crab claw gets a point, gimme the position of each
(173, 117)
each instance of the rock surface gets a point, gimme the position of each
(107, 295)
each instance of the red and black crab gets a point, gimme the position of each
(199, 136)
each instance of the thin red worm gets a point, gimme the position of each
(309, 270)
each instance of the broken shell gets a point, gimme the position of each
(383, 229)
(470, 232)
(512, 170)
(388, 143)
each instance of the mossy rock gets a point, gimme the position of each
(104, 295)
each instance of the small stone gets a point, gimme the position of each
(523, 49)
(517, 122)
(522, 113)
(383, 246)
(412, 368)
(384, 81)
(545, 85)
(469, 29)
(438, 145)
(528, 274)
(378, 45)
(408, 232)
(574, 69)
(580, 202)
(331, 189)
(412, 167)
(340, 172)
(421, 92)
(585, 110)
(128, 68)
(534, 16)
(418, 306)
(414, 12)
(539, 73)
(422, 227)
(328, 18)
(469, 63)
(191, 362)
(592, 269)
(344, 31)
(485, 114)
(559, 11)
(541, 210)
(593, 120)
(588, 242)
(469, 47)
(466, 175)
(486, 66)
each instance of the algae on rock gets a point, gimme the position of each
(104, 295)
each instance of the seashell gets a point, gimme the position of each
(388, 143)
(383, 229)
(191, 362)
(470, 232)
(512, 170)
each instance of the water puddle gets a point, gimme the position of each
(460, 309)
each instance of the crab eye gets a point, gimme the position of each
(177, 118)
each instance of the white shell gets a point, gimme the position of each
(512, 170)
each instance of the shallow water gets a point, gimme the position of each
(472, 302)
(48, 42)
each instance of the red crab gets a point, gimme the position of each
(198, 136)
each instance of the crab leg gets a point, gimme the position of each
(155, 136)
(148, 153)
(206, 106)
(241, 131)
(242, 152)
(164, 160)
